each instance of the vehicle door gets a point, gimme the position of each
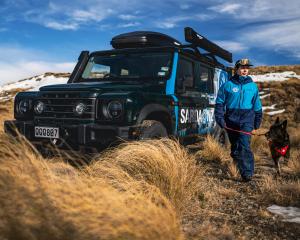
(190, 100)
(205, 83)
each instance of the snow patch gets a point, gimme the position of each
(275, 112)
(33, 84)
(272, 107)
(289, 214)
(283, 76)
(5, 99)
(264, 96)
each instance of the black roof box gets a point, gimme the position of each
(143, 39)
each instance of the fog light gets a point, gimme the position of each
(39, 107)
(80, 109)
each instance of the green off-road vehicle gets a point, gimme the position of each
(148, 86)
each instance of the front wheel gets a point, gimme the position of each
(151, 129)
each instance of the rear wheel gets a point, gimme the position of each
(151, 129)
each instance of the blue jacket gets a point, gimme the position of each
(238, 104)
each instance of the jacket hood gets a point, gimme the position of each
(240, 79)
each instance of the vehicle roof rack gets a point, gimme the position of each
(198, 41)
(140, 39)
(143, 39)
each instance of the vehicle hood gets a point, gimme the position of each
(98, 86)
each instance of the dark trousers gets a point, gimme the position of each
(241, 153)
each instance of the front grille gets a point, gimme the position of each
(60, 108)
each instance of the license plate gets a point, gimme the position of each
(46, 132)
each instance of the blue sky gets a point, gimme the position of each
(40, 35)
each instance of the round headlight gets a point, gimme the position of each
(23, 106)
(80, 109)
(114, 109)
(39, 107)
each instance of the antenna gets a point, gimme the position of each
(197, 40)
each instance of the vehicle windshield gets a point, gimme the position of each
(128, 66)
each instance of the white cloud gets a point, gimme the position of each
(165, 25)
(276, 36)
(127, 17)
(171, 22)
(232, 46)
(17, 63)
(130, 24)
(90, 15)
(174, 21)
(229, 8)
(61, 26)
(272, 25)
(260, 10)
(185, 6)
(61, 15)
(22, 70)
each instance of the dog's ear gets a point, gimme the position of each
(277, 120)
(284, 124)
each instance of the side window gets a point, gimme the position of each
(204, 78)
(185, 74)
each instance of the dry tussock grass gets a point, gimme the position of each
(6, 112)
(162, 163)
(259, 144)
(40, 199)
(286, 193)
(213, 151)
(294, 137)
(233, 170)
(294, 163)
(272, 69)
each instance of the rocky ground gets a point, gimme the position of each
(239, 212)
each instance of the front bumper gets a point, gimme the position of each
(89, 135)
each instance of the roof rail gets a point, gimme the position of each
(198, 41)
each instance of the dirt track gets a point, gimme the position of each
(241, 208)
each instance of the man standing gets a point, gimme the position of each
(239, 111)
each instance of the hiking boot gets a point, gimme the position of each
(246, 178)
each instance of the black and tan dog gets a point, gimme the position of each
(279, 142)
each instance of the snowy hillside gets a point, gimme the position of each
(8, 91)
(281, 76)
(36, 82)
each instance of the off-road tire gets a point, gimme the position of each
(151, 129)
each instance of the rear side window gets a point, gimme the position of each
(185, 73)
(204, 78)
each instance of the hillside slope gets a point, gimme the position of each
(171, 191)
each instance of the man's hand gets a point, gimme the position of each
(254, 131)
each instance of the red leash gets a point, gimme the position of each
(247, 133)
(240, 131)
